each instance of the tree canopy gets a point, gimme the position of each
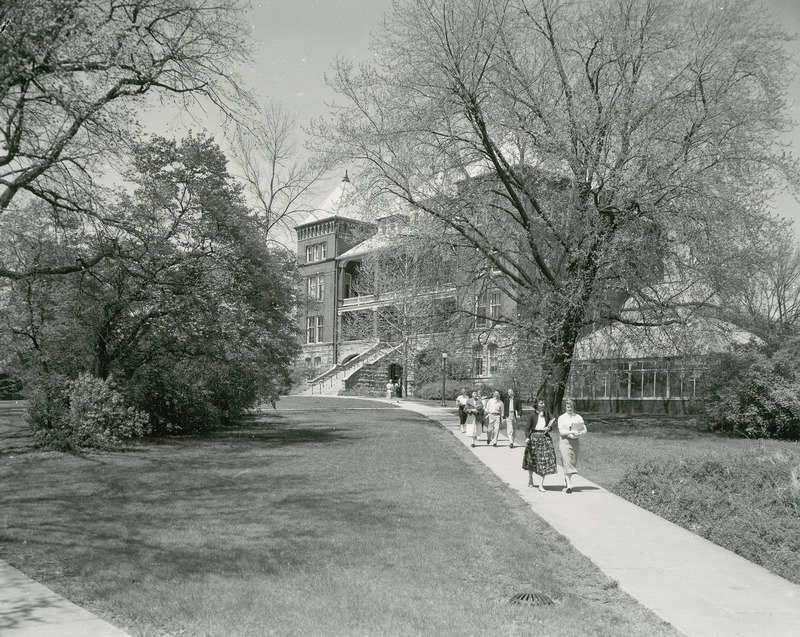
(73, 74)
(582, 148)
(190, 312)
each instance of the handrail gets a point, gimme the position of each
(338, 373)
(339, 366)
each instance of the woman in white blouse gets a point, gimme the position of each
(570, 427)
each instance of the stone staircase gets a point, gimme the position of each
(333, 381)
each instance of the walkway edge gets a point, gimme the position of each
(30, 609)
(700, 588)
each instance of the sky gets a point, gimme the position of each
(298, 41)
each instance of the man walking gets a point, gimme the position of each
(494, 412)
(512, 407)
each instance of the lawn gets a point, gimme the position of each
(741, 494)
(321, 518)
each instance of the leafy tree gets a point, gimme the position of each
(191, 313)
(74, 72)
(580, 148)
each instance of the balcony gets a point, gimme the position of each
(369, 301)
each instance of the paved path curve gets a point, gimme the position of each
(698, 587)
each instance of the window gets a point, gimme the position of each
(347, 281)
(315, 287)
(487, 307)
(491, 359)
(311, 332)
(494, 305)
(477, 362)
(316, 252)
(314, 329)
(480, 310)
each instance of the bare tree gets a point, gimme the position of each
(769, 296)
(267, 156)
(580, 148)
(74, 72)
(410, 270)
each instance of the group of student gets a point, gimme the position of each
(479, 415)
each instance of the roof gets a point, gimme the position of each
(697, 336)
(344, 202)
(375, 242)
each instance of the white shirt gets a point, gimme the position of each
(571, 424)
(494, 406)
(540, 424)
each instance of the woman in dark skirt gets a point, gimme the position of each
(540, 454)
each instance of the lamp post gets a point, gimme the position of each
(444, 376)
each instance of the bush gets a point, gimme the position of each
(746, 502)
(80, 414)
(428, 367)
(755, 392)
(10, 387)
(48, 409)
(433, 391)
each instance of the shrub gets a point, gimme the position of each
(84, 413)
(48, 410)
(428, 367)
(746, 502)
(10, 387)
(433, 391)
(755, 392)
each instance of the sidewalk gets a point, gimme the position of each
(28, 609)
(698, 587)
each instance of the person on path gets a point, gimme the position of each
(495, 415)
(570, 427)
(540, 454)
(390, 390)
(512, 407)
(474, 417)
(461, 402)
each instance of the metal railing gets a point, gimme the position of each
(335, 376)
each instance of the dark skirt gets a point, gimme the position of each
(540, 455)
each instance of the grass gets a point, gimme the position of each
(309, 520)
(741, 494)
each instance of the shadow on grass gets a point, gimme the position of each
(214, 527)
(270, 429)
(648, 426)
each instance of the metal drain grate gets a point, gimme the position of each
(531, 599)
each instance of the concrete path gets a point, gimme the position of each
(698, 587)
(28, 609)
